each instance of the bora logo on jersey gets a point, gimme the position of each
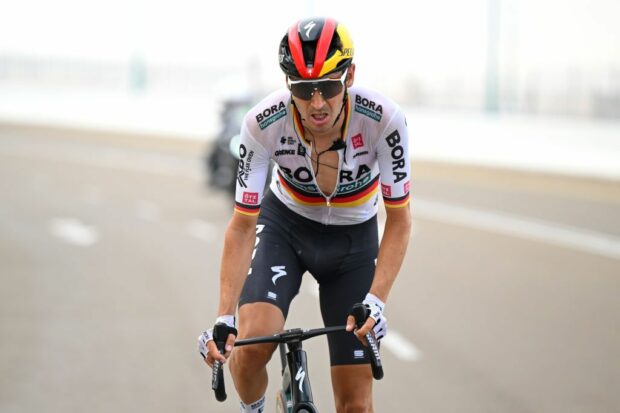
(270, 115)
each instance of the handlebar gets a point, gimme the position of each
(289, 336)
(359, 311)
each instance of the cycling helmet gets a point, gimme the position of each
(315, 47)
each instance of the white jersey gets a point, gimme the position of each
(374, 159)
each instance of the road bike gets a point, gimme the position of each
(295, 396)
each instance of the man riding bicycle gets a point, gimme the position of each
(337, 148)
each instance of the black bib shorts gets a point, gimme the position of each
(341, 258)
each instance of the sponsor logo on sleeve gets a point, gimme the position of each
(250, 198)
(406, 187)
(368, 108)
(270, 115)
(386, 190)
(245, 165)
(398, 156)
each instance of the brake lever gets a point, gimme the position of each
(360, 312)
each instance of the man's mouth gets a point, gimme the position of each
(319, 117)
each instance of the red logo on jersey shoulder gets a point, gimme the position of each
(357, 141)
(250, 198)
(386, 190)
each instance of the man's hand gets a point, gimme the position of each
(207, 345)
(376, 321)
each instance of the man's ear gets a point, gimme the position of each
(350, 75)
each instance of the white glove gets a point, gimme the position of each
(207, 336)
(376, 307)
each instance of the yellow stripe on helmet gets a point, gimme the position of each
(346, 53)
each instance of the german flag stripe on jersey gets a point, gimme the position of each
(352, 199)
(300, 196)
(244, 209)
(396, 202)
(358, 197)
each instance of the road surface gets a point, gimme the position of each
(508, 300)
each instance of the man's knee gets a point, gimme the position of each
(251, 358)
(354, 406)
(352, 386)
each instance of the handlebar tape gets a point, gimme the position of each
(220, 335)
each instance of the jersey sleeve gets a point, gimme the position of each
(394, 162)
(252, 173)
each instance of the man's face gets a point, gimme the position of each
(320, 110)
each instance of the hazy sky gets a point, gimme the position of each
(445, 35)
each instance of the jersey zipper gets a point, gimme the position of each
(327, 198)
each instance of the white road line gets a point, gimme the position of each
(401, 347)
(585, 240)
(74, 232)
(202, 230)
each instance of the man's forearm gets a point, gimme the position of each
(391, 253)
(236, 258)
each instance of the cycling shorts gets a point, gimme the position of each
(340, 257)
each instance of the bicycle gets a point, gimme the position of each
(295, 395)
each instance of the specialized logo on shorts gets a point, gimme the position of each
(357, 141)
(270, 115)
(386, 190)
(250, 198)
(280, 271)
(368, 108)
(358, 354)
(272, 296)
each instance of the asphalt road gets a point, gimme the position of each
(508, 300)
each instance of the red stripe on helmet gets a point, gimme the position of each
(322, 47)
(294, 43)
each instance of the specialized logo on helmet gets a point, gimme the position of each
(309, 28)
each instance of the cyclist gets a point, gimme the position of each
(337, 147)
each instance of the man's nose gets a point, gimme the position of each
(317, 101)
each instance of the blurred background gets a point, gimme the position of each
(115, 126)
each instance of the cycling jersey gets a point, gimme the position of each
(374, 157)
